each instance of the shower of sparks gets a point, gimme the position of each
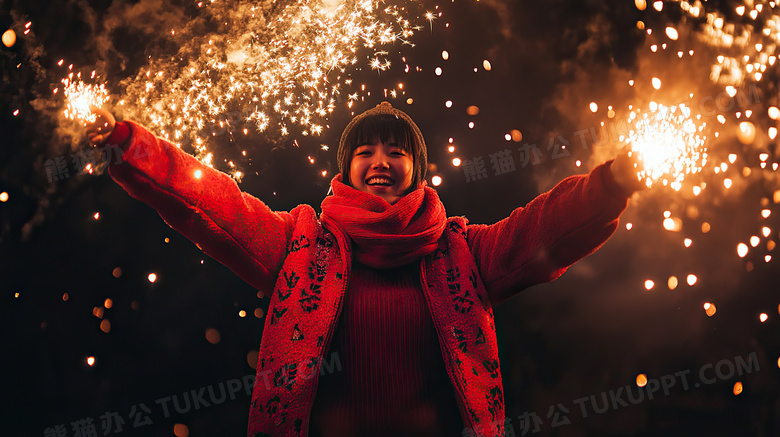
(669, 144)
(79, 96)
(748, 42)
(280, 66)
(741, 45)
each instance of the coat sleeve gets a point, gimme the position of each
(538, 242)
(203, 204)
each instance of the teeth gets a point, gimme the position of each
(379, 181)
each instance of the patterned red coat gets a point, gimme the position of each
(304, 265)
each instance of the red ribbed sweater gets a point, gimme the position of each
(393, 381)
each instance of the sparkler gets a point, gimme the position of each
(745, 43)
(80, 96)
(279, 65)
(669, 143)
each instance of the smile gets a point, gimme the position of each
(381, 181)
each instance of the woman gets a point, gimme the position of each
(382, 278)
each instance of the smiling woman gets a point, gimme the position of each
(382, 280)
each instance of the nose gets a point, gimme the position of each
(380, 161)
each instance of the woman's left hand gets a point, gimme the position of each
(624, 170)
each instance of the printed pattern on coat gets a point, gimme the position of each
(305, 304)
(299, 315)
(466, 329)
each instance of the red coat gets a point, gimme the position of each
(304, 265)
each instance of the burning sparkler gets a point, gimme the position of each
(280, 65)
(668, 142)
(80, 96)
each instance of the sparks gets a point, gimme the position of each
(79, 96)
(669, 144)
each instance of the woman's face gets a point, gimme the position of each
(382, 169)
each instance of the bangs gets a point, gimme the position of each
(384, 127)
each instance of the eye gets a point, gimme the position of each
(398, 152)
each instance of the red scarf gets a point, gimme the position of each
(384, 235)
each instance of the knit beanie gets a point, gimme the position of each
(344, 153)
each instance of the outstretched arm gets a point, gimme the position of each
(538, 242)
(203, 204)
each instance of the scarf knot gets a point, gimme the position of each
(386, 236)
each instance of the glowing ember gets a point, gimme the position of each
(641, 380)
(742, 250)
(649, 284)
(737, 388)
(746, 132)
(3, 197)
(9, 38)
(213, 336)
(152, 277)
(763, 317)
(673, 224)
(691, 279)
(710, 309)
(90, 361)
(181, 430)
(672, 282)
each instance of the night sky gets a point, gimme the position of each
(76, 252)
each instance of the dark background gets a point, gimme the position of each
(592, 331)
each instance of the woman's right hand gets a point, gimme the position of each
(99, 130)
